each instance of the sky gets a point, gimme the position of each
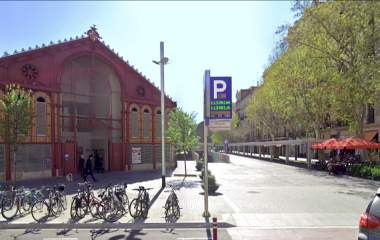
(229, 38)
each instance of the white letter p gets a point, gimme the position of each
(216, 89)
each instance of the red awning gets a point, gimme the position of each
(326, 144)
(355, 143)
(369, 135)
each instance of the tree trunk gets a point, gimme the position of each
(14, 170)
(321, 152)
(184, 157)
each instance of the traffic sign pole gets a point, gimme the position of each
(206, 212)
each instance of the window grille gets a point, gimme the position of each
(32, 158)
(159, 125)
(146, 153)
(41, 118)
(169, 153)
(135, 124)
(146, 125)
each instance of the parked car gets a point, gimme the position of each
(369, 224)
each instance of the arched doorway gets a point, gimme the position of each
(91, 108)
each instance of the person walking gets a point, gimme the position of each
(100, 166)
(81, 167)
(89, 169)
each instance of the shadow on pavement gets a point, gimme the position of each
(184, 183)
(27, 231)
(133, 234)
(98, 233)
(211, 194)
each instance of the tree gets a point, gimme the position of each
(16, 120)
(261, 111)
(345, 33)
(182, 131)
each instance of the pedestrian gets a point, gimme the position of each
(89, 169)
(81, 167)
(100, 163)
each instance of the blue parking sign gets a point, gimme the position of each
(220, 97)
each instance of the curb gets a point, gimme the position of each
(111, 225)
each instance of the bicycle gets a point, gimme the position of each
(12, 205)
(122, 196)
(140, 204)
(112, 209)
(79, 206)
(5, 194)
(42, 210)
(171, 204)
(32, 196)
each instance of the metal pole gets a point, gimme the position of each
(206, 213)
(162, 114)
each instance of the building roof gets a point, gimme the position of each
(92, 34)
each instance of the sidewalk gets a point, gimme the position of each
(190, 195)
(300, 162)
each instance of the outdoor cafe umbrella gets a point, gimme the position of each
(326, 144)
(355, 143)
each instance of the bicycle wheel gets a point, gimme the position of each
(100, 210)
(40, 211)
(134, 208)
(93, 206)
(64, 200)
(144, 209)
(55, 206)
(73, 211)
(167, 207)
(125, 202)
(176, 212)
(10, 208)
(25, 205)
(112, 211)
(82, 208)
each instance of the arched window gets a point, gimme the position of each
(158, 124)
(135, 123)
(41, 117)
(146, 124)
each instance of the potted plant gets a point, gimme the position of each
(203, 173)
(199, 165)
(212, 185)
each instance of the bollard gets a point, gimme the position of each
(214, 228)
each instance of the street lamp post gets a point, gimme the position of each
(162, 62)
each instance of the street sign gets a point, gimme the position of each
(226, 143)
(220, 126)
(220, 97)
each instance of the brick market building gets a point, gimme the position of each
(87, 100)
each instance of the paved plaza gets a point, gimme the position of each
(255, 196)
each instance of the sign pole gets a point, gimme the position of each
(206, 212)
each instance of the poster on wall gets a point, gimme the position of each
(136, 155)
(66, 157)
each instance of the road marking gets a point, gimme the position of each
(60, 238)
(194, 238)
